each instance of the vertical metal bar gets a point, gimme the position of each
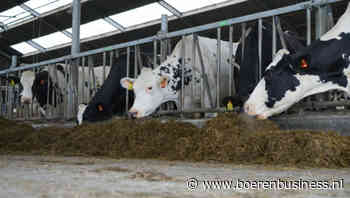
(90, 63)
(280, 33)
(13, 61)
(127, 75)
(183, 57)
(231, 88)
(31, 105)
(274, 37)
(104, 66)
(193, 92)
(135, 60)
(111, 58)
(7, 97)
(243, 40)
(83, 85)
(56, 91)
(260, 47)
(163, 31)
(48, 90)
(308, 22)
(218, 67)
(155, 65)
(66, 88)
(75, 49)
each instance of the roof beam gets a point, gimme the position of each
(114, 23)
(171, 8)
(30, 10)
(36, 45)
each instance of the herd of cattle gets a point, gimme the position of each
(291, 75)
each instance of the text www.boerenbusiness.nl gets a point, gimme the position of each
(277, 184)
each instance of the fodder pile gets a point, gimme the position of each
(229, 138)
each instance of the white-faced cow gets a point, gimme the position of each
(163, 84)
(47, 87)
(111, 98)
(320, 67)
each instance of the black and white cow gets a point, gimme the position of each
(248, 75)
(322, 66)
(163, 84)
(110, 100)
(47, 87)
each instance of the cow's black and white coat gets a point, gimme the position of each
(322, 66)
(110, 99)
(163, 84)
(36, 85)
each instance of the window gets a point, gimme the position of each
(23, 47)
(140, 15)
(53, 39)
(14, 15)
(94, 28)
(42, 6)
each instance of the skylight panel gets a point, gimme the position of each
(42, 6)
(14, 15)
(140, 15)
(23, 47)
(186, 5)
(53, 39)
(94, 28)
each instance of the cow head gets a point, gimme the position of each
(322, 66)
(289, 78)
(38, 85)
(151, 90)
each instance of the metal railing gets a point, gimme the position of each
(161, 48)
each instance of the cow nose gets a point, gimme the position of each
(249, 109)
(133, 114)
(26, 100)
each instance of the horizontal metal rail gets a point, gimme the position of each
(270, 13)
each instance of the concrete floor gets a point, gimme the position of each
(66, 177)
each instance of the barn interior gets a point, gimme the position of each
(60, 19)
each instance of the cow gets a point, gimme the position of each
(320, 67)
(163, 84)
(110, 100)
(47, 87)
(247, 77)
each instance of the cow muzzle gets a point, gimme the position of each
(26, 100)
(250, 109)
(133, 114)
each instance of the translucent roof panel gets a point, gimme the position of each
(141, 14)
(187, 5)
(14, 15)
(23, 47)
(94, 28)
(42, 6)
(53, 39)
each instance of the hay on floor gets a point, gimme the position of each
(228, 138)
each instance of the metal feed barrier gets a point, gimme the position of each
(70, 95)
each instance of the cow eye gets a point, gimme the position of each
(149, 88)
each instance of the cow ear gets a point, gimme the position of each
(127, 83)
(163, 82)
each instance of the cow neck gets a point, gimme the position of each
(174, 72)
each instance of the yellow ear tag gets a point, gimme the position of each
(229, 106)
(130, 87)
(12, 83)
